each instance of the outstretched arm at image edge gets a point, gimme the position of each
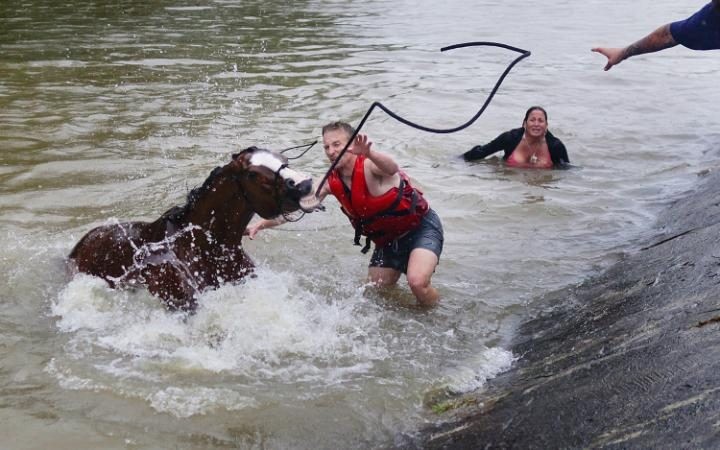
(659, 39)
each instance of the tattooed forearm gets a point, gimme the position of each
(632, 50)
(659, 39)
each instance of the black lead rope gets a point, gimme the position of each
(288, 216)
(524, 54)
(309, 146)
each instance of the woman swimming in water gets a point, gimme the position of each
(531, 146)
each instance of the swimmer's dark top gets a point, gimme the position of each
(509, 140)
(701, 31)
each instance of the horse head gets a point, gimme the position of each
(198, 245)
(270, 187)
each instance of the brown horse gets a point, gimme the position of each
(198, 245)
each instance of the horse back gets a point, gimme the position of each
(108, 251)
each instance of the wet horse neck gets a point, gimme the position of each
(220, 208)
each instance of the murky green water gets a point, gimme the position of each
(113, 110)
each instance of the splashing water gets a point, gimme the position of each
(266, 329)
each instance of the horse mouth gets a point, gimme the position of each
(310, 203)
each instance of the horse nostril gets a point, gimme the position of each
(305, 187)
(290, 184)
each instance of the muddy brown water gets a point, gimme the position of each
(114, 110)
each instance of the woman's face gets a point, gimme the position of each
(536, 124)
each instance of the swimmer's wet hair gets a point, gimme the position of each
(535, 108)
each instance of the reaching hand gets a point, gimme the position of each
(614, 55)
(251, 231)
(361, 145)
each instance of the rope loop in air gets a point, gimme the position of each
(523, 54)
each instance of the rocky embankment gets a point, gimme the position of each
(628, 359)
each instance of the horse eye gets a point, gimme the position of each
(252, 175)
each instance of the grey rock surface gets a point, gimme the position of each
(627, 359)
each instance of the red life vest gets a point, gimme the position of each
(383, 218)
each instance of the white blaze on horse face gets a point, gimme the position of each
(274, 163)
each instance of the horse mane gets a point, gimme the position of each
(177, 213)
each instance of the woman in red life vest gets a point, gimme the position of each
(384, 207)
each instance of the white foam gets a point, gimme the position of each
(72, 382)
(269, 331)
(267, 324)
(473, 373)
(186, 402)
(266, 330)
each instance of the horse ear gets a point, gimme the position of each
(239, 160)
(251, 149)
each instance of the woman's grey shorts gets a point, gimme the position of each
(395, 255)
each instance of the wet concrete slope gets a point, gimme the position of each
(629, 359)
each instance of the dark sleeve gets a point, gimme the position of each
(501, 142)
(562, 156)
(701, 31)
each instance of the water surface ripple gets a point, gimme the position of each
(114, 110)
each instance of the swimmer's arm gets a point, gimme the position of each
(500, 143)
(477, 152)
(659, 39)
